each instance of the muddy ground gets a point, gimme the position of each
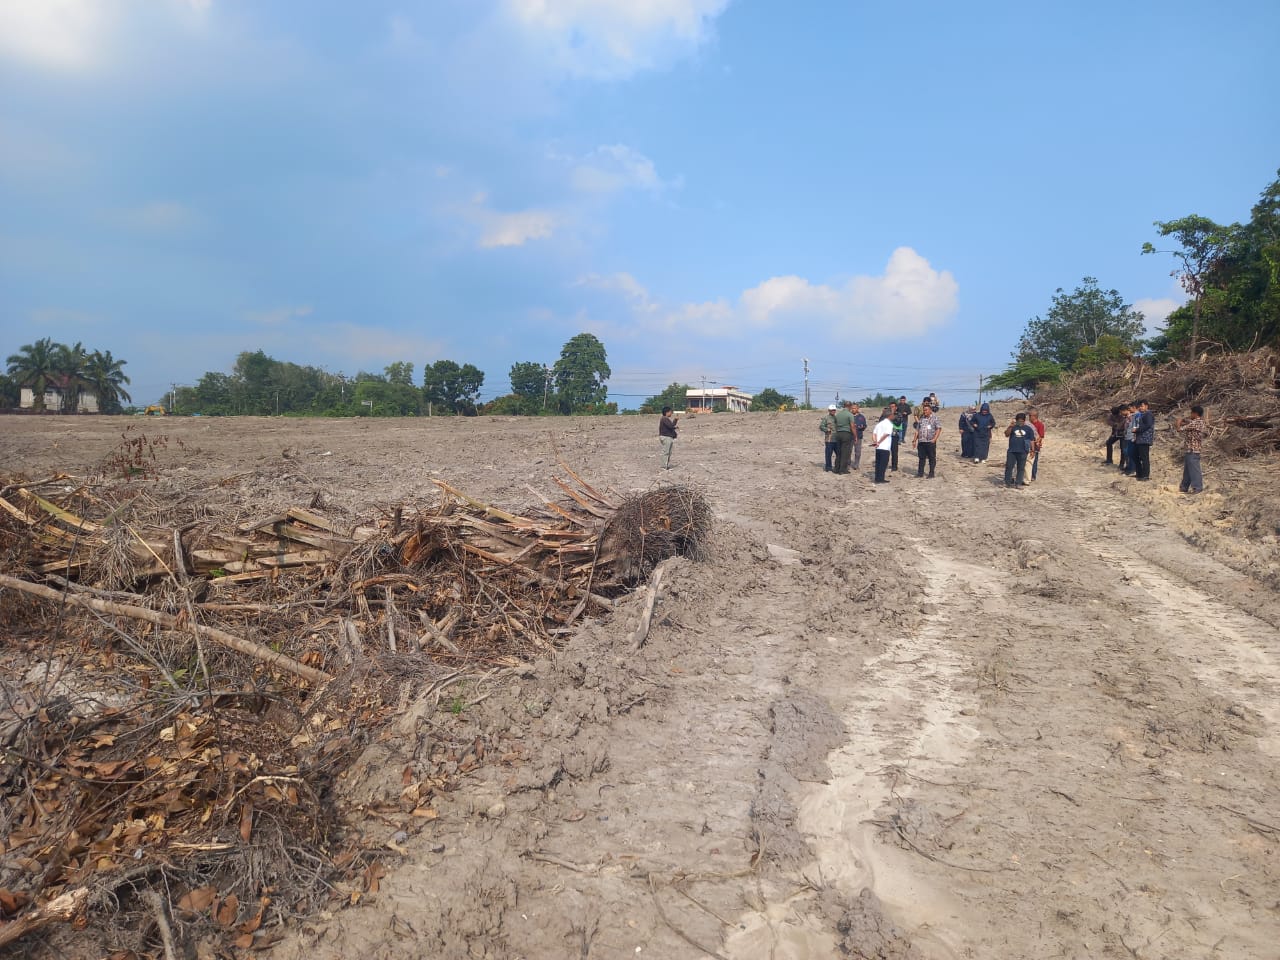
(935, 719)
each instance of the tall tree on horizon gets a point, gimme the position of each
(35, 366)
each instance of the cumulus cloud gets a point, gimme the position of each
(908, 299)
(612, 38)
(516, 229)
(615, 167)
(1155, 311)
(58, 34)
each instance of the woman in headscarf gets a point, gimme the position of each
(966, 432)
(983, 424)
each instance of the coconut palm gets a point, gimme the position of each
(37, 366)
(105, 376)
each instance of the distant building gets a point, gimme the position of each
(53, 400)
(707, 399)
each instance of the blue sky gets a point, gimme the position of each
(715, 188)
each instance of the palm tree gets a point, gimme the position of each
(73, 370)
(36, 365)
(105, 375)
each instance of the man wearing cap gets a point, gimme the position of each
(901, 416)
(829, 444)
(1022, 440)
(844, 438)
(1144, 435)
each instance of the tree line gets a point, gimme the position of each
(1231, 275)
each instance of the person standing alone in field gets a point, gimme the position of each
(928, 430)
(667, 435)
(1192, 429)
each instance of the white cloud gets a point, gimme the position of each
(608, 169)
(907, 300)
(516, 229)
(59, 34)
(1155, 311)
(610, 38)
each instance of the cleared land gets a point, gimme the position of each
(937, 719)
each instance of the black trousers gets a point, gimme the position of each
(882, 464)
(893, 453)
(1111, 442)
(1142, 460)
(829, 451)
(927, 450)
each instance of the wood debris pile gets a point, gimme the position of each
(1240, 394)
(179, 703)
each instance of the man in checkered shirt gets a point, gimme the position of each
(928, 430)
(1192, 429)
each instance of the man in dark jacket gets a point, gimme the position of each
(1144, 435)
(1022, 440)
(966, 433)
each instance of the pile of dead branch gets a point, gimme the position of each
(1240, 394)
(179, 703)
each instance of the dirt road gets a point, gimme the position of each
(935, 719)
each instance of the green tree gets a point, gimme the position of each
(1077, 320)
(529, 381)
(35, 366)
(673, 396)
(10, 393)
(1108, 349)
(771, 399)
(1233, 277)
(1024, 376)
(400, 372)
(105, 377)
(580, 375)
(73, 374)
(878, 402)
(1202, 246)
(451, 388)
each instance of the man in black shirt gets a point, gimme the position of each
(667, 435)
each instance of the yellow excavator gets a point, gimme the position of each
(156, 410)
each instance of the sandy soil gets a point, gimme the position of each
(936, 719)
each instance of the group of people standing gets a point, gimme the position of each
(844, 427)
(1133, 428)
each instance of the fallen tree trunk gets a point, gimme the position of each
(170, 622)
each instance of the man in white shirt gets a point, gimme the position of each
(883, 436)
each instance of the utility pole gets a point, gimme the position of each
(546, 384)
(979, 389)
(173, 397)
(807, 404)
